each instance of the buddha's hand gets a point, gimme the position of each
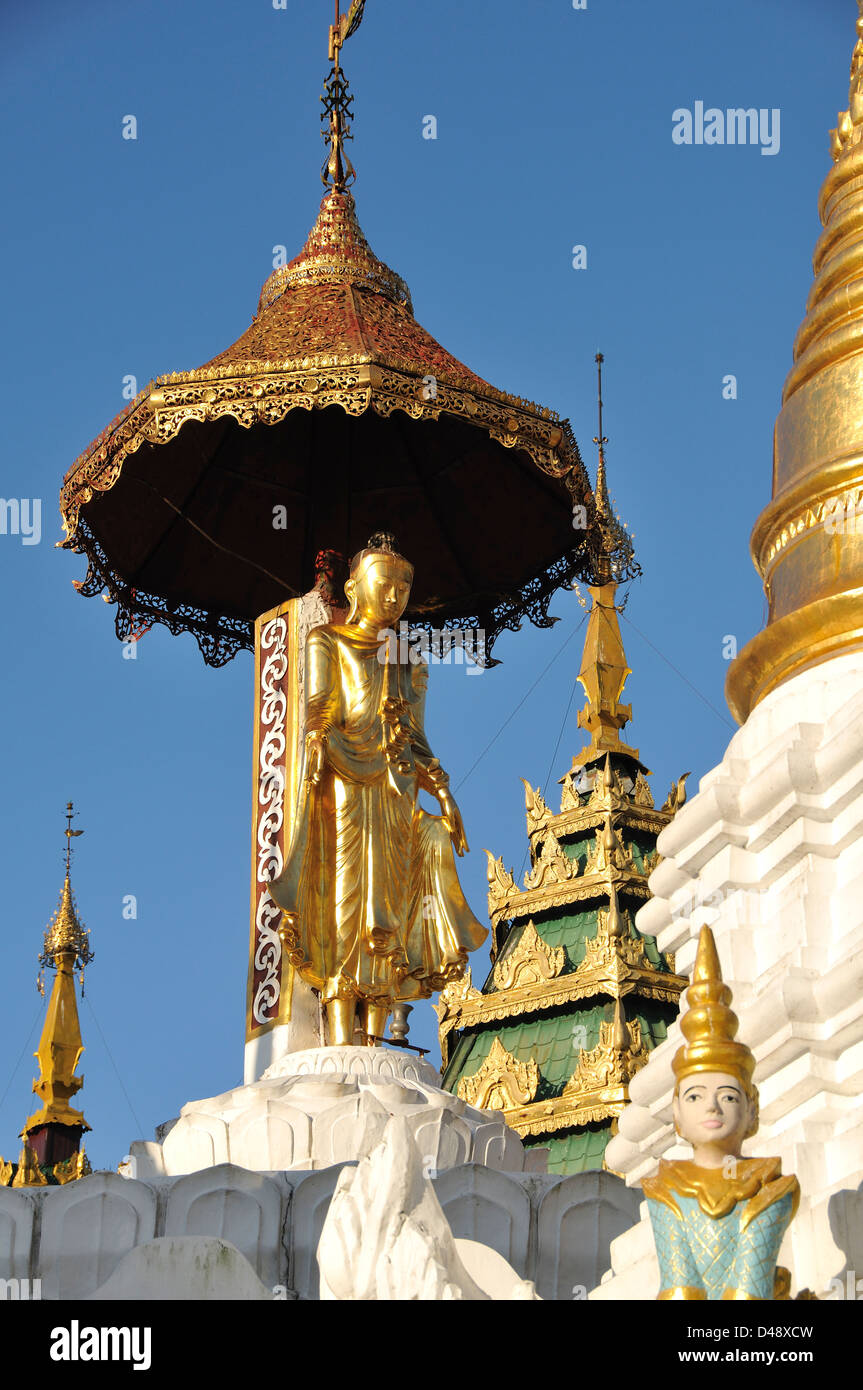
(315, 758)
(453, 820)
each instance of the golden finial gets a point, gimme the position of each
(849, 124)
(70, 833)
(614, 554)
(603, 505)
(66, 949)
(709, 1026)
(66, 937)
(338, 173)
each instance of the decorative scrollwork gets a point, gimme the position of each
(219, 638)
(271, 796)
(530, 961)
(502, 1082)
(552, 864)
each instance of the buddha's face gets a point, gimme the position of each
(713, 1111)
(381, 591)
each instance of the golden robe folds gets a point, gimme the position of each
(373, 905)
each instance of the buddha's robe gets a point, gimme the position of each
(718, 1237)
(373, 905)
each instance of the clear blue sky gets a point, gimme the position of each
(122, 257)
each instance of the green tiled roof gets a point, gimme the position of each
(576, 1151)
(571, 930)
(552, 1040)
(554, 1037)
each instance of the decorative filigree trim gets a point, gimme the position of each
(569, 797)
(219, 638)
(641, 793)
(72, 1168)
(455, 996)
(501, 884)
(607, 794)
(501, 1082)
(530, 902)
(565, 989)
(578, 820)
(552, 864)
(530, 962)
(265, 392)
(676, 796)
(608, 1067)
(538, 813)
(608, 851)
(270, 815)
(551, 1116)
(615, 963)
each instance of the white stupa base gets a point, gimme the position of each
(770, 855)
(232, 1200)
(327, 1105)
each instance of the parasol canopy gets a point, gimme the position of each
(335, 415)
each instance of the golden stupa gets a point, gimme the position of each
(807, 544)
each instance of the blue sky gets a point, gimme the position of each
(140, 257)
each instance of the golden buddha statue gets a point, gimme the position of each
(373, 912)
(719, 1219)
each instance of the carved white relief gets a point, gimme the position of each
(87, 1227)
(16, 1234)
(487, 1207)
(235, 1205)
(578, 1219)
(197, 1140)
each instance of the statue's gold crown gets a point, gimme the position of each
(709, 1026)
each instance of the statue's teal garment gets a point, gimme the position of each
(730, 1249)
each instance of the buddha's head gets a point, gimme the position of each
(715, 1102)
(380, 584)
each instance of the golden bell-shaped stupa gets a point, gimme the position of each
(807, 544)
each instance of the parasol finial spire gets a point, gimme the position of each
(613, 552)
(338, 173)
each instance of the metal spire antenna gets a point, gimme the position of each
(600, 439)
(603, 506)
(70, 833)
(614, 555)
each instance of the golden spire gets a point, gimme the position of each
(603, 571)
(807, 544)
(338, 172)
(67, 948)
(709, 1026)
(604, 667)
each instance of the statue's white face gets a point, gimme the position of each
(713, 1113)
(382, 592)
